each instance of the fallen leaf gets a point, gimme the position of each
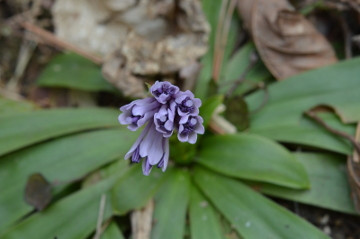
(189, 74)
(286, 41)
(38, 191)
(115, 71)
(237, 112)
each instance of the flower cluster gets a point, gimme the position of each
(168, 110)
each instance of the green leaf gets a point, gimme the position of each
(73, 217)
(23, 129)
(237, 65)
(134, 191)
(212, 9)
(309, 133)
(252, 157)
(61, 161)
(329, 184)
(348, 111)
(83, 206)
(333, 85)
(210, 104)
(74, 72)
(251, 214)
(171, 205)
(112, 232)
(8, 107)
(204, 222)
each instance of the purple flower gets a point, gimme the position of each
(168, 110)
(164, 120)
(163, 91)
(189, 127)
(138, 112)
(151, 146)
(187, 103)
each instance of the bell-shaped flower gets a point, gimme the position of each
(163, 91)
(189, 127)
(164, 120)
(153, 147)
(187, 103)
(138, 112)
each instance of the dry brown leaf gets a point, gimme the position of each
(139, 39)
(286, 41)
(115, 68)
(38, 191)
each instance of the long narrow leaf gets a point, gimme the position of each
(252, 157)
(329, 185)
(171, 205)
(60, 162)
(251, 214)
(24, 129)
(204, 222)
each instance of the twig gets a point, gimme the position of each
(51, 39)
(100, 217)
(222, 33)
(217, 39)
(347, 37)
(141, 221)
(225, 34)
(26, 51)
(313, 116)
(357, 139)
(253, 61)
(219, 124)
(11, 95)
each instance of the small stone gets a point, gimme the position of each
(327, 230)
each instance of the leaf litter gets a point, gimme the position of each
(138, 39)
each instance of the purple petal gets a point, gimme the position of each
(164, 121)
(187, 104)
(169, 125)
(192, 138)
(146, 167)
(148, 140)
(156, 151)
(165, 158)
(135, 156)
(189, 127)
(138, 112)
(184, 119)
(197, 102)
(163, 91)
(199, 129)
(138, 141)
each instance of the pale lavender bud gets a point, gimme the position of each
(164, 120)
(187, 103)
(138, 112)
(163, 91)
(189, 127)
